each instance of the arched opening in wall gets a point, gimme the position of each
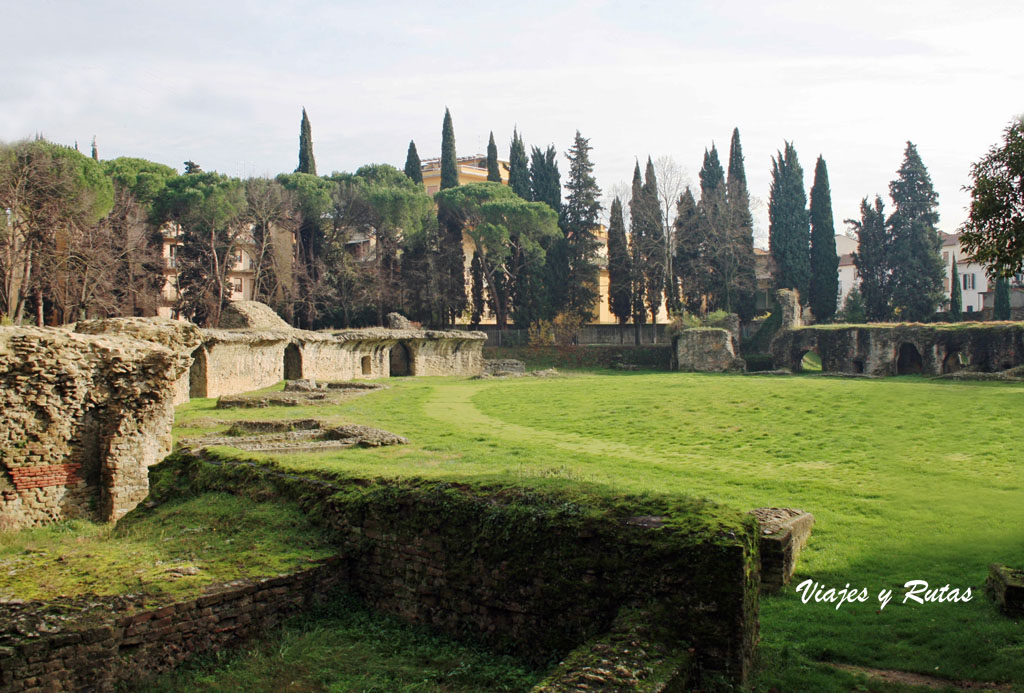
(809, 362)
(858, 366)
(909, 360)
(292, 362)
(400, 360)
(953, 362)
(197, 374)
(367, 365)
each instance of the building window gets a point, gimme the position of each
(945, 258)
(968, 281)
(970, 309)
(238, 285)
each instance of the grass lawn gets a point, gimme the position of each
(216, 536)
(909, 479)
(349, 648)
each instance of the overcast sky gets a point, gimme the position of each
(223, 83)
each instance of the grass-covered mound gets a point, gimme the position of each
(166, 552)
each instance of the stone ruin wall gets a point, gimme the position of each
(884, 350)
(230, 362)
(706, 350)
(84, 416)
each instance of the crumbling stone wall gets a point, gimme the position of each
(233, 361)
(83, 417)
(706, 350)
(534, 573)
(96, 644)
(883, 350)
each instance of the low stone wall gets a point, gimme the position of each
(96, 644)
(706, 350)
(529, 573)
(83, 417)
(783, 534)
(883, 350)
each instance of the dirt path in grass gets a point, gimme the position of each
(910, 679)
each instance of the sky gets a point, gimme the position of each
(224, 83)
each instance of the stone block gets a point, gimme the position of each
(1006, 587)
(783, 533)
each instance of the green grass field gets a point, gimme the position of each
(909, 479)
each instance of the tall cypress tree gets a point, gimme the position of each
(518, 167)
(620, 293)
(824, 287)
(493, 172)
(719, 251)
(579, 223)
(95, 152)
(916, 258)
(689, 263)
(307, 164)
(1001, 307)
(872, 259)
(653, 248)
(789, 225)
(413, 167)
(637, 242)
(449, 164)
(742, 232)
(956, 302)
(545, 180)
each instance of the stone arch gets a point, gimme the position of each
(366, 365)
(292, 362)
(952, 363)
(197, 374)
(809, 361)
(401, 361)
(908, 360)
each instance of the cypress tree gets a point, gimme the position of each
(620, 294)
(519, 167)
(718, 243)
(956, 302)
(493, 172)
(95, 152)
(449, 165)
(789, 225)
(579, 223)
(653, 248)
(824, 287)
(545, 180)
(637, 242)
(307, 164)
(916, 258)
(742, 231)
(476, 272)
(413, 167)
(1001, 307)
(689, 262)
(872, 258)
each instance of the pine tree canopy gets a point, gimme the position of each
(872, 259)
(824, 287)
(413, 167)
(449, 162)
(493, 172)
(307, 164)
(579, 222)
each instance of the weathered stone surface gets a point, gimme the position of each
(534, 572)
(1006, 587)
(307, 435)
(233, 361)
(83, 417)
(397, 321)
(101, 643)
(792, 313)
(503, 366)
(783, 533)
(332, 393)
(706, 350)
(884, 350)
(251, 315)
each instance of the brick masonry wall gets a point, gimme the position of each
(63, 646)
